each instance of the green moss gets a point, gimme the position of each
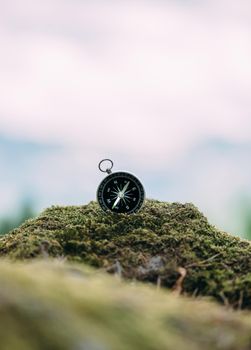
(57, 306)
(149, 246)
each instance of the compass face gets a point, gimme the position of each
(121, 192)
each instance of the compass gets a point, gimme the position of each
(120, 192)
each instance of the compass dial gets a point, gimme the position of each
(121, 192)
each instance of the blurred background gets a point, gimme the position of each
(161, 87)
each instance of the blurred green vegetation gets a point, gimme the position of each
(247, 225)
(244, 207)
(10, 222)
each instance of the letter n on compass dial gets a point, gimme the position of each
(121, 192)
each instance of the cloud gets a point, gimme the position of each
(146, 79)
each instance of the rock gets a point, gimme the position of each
(153, 245)
(55, 305)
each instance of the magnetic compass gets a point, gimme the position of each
(120, 192)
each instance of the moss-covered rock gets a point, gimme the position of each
(57, 306)
(153, 245)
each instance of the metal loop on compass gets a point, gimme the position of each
(107, 170)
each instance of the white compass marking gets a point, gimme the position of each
(121, 194)
(118, 188)
(124, 199)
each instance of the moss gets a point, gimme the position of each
(58, 306)
(149, 246)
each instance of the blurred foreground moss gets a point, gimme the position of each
(160, 244)
(53, 305)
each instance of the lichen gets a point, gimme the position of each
(149, 246)
(54, 305)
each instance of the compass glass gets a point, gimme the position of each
(121, 192)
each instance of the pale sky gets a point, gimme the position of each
(143, 82)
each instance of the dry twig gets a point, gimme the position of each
(203, 262)
(177, 288)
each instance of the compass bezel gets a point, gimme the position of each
(119, 174)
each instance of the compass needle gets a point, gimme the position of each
(125, 188)
(116, 202)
